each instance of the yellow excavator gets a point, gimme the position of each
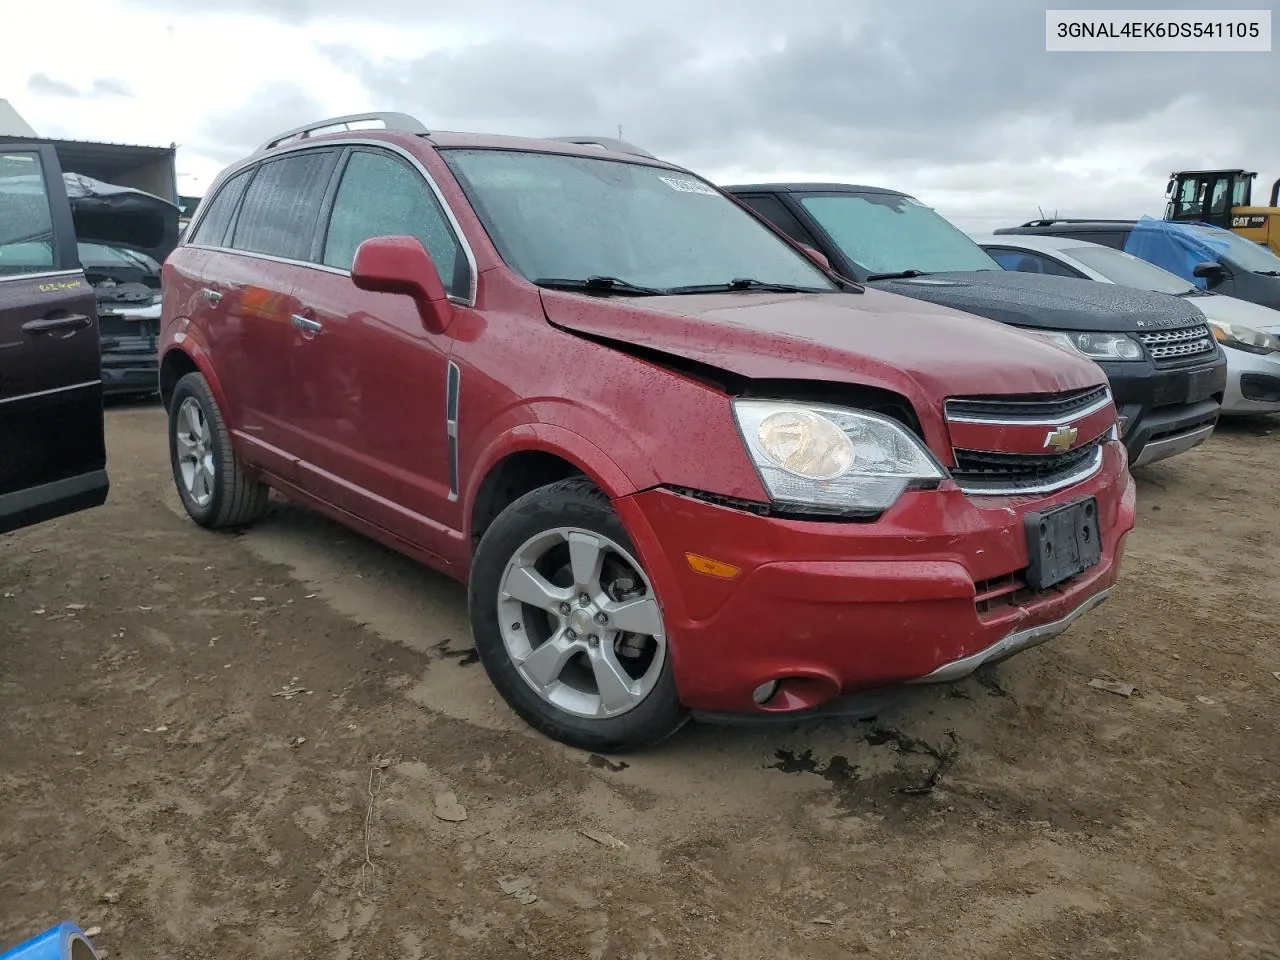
(1223, 198)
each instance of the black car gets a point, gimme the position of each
(124, 236)
(52, 449)
(1200, 253)
(1167, 372)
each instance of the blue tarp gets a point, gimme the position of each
(1178, 246)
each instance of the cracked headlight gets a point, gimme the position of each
(832, 459)
(1096, 346)
(1244, 338)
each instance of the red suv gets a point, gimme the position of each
(682, 466)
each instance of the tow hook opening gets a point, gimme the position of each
(793, 693)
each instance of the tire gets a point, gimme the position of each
(228, 499)
(542, 524)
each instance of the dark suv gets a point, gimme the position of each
(680, 466)
(1166, 370)
(1200, 253)
(52, 451)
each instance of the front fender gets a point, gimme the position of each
(557, 441)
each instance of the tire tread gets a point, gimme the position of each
(238, 500)
(576, 500)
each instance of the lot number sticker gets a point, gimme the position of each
(688, 186)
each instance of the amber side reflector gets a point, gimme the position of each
(711, 568)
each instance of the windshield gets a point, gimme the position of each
(888, 233)
(1243, 253)
(554, 216)
(1130, 271)
(103, 255)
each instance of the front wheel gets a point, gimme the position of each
(214, 487)
(567, 623)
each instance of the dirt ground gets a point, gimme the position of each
(220, 746)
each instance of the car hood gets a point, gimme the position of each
(917, 350)
(108, 213)
(1233, 310)
(1048, 303)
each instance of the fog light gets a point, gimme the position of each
(762, 693)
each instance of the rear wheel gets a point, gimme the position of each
(214, 487)
(567, 623)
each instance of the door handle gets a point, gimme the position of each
(56, 324)
(213, 296)
(306, 324)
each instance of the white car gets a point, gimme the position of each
(1249, 333)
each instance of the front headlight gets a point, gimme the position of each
(1244, 338)
(1096, 346)
(830, 458)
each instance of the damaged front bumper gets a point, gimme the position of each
(130, 362)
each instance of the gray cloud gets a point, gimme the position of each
(958, 100)
(107, 87)
(45, 85)
(232, 134)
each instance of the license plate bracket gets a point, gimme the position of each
(1062, 542)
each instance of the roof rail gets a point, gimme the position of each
(400, 122)
(1050, 221)
(607, 143)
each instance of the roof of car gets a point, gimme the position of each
(1050, 226)
(1033, 241)
(808, 188)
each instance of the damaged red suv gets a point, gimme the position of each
(683, 468)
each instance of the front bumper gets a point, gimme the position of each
(130, 365)
(926, 593)
(1164, 412)
(1253, 382)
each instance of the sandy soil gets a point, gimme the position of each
(163, 776)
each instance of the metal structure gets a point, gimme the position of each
(391, 120)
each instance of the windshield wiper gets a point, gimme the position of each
(1267, 273)
(746, 283)
(600, 285)
(900, 275)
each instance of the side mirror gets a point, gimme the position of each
(1213, 272)
(816, 256)
(402, 265)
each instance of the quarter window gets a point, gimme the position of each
(381, 195)
(281, 206)
(775, 211)
(212, 230)
(26, 223)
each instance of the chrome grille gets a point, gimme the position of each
(1175, 345)
(991, 471)
(979, 472)
(1039, 408)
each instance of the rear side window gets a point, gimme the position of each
(26, 224)
(1023, 261)
(212, 230)
(380, 195)
(278, 216)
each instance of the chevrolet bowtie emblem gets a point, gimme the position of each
(1062, 438)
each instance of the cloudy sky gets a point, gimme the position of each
(957, 103)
